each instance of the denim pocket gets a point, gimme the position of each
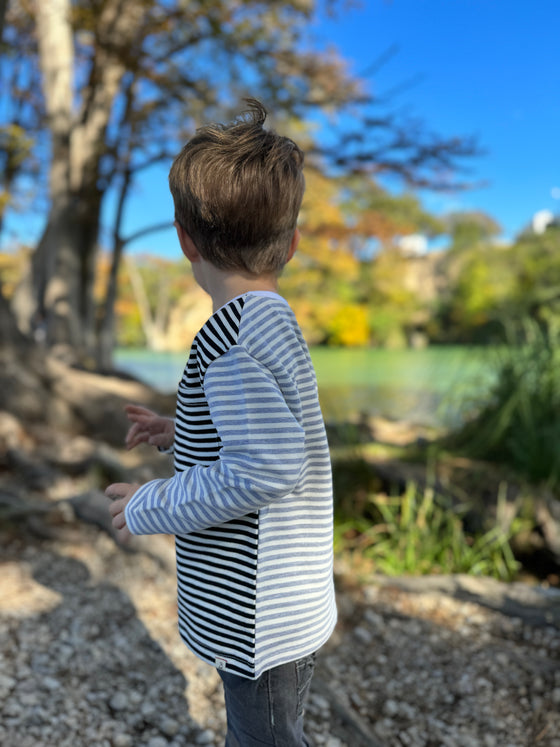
(304, 672)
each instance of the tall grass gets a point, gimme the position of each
(519, 422)
(420, 533)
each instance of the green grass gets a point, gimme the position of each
(419, 533)
(518, 423)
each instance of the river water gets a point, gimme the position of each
(433, 386)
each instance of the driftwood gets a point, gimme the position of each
(39, 389)
(535, 605)
(346, 723)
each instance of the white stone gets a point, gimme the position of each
(50, 683)
(363, 635)
(123, 740)
(391, 707)
(319, 702)
(157, 742)
(119, 702)
(169, 726)
(206, 737)
(6, 684)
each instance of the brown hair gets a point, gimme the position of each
(237, 190)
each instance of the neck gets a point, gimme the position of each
(223, 285)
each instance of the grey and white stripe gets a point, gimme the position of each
(251, 499)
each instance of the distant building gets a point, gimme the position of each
(413, 245)
(542, 220)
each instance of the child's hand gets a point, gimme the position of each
(120, 493)
(148, 427)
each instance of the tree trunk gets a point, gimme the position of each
(106, 335)
(54, 296)
(61, 286)
(9, 333)
(3, 9)
(151, 332)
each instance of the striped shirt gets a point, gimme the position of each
(250, 502)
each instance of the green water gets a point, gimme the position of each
(431, 386)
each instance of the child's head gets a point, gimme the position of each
(237, 191)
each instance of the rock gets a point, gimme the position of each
(50, 683)
(391, 708)
(119, 702)
(548, 515)
(363, 635)
(157, 742)
(169, 726)
(206, 737)
(12, 434)
(90, 654)
(6, 684)
(91, 507)
(319, 702)
(123, 740)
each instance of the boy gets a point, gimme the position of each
(250, 503)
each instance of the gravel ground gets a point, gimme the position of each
(90, 655)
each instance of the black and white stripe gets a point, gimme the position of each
(251, 500)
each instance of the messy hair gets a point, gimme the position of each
(237, 190)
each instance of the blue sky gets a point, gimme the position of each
(489, 68)
(485, 67)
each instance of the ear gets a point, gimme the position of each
(187, 244)
(293, 245)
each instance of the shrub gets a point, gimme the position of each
(421, 533)
(518, 424)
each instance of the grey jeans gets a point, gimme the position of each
(268, 710)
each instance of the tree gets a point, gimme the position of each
(342, 293)
(322, 276)
(113, 73)
(534, 260)
(124, 80)
(469, 228)
(3, 8)
(19, 82)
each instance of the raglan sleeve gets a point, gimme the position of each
(260, 461)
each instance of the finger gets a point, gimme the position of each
(134, 434)
(135, 412)
(124, 536)
(141, 420)
(140, 426)
(117, 490)
(111, 492)
(116, 507)
(136, 429)
(132, 431)
(133, 408)
(163, 439)
(119, 522)
(141, 439)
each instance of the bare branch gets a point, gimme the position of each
(163, 226)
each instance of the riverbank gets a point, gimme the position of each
(91, 655)
(88, 640)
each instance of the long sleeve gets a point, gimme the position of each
(261, 456)
(250, 503)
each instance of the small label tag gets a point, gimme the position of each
(220, 663)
